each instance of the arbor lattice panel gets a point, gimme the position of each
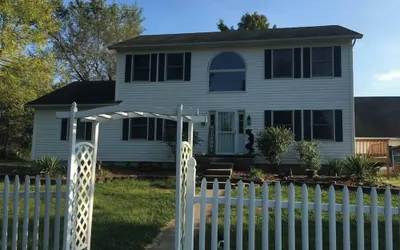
(186, 154)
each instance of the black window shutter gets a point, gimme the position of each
(307, 125)
(297, 125)
(153, 70)
(338, 125)
(267, 118)
(188, 65)
(267, 64)
(64, 129)
(337, 55)
(306, 63)
(159, 132)
(151, 129)
(161, 65)
(297, 63)
(125, 129)
(88, 132)
(128, 68)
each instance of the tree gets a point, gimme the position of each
(88, 27)
(26, 66)
(248, 21)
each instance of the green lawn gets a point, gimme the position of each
(127, 214)
(285, 217)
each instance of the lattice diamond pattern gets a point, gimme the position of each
(186, 154)
(84, 161)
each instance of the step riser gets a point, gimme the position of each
(214, 173)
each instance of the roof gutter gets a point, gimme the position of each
(117, 46)
(69, 105)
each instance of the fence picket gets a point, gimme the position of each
(214, 221)
(227, 216)
(374, 220)
(346, 219)
(25, 224)
(202, 226)
(57, 215)
(252, 216)
(36, 214)
(14, 240)
(46, 229)
(332, 218)
(291, 222)
(318, 219)
(278, 217)
(360, 219)
(304, 217)
(239, 215)
(388, 220)
(265, 217)
(5, 213)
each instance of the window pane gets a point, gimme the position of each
(80, 130)
(323, 124)
(139, 128)
(227, 60)
(175, 73)
(322, 62)
(228, 81)
(175, 59)
(141, 67)
(283, 119)
(241, 123)
(283, 62)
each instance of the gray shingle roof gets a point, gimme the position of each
(89, 92)
(237, 36)
(377, 116)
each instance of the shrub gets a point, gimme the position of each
(274, 143)
(309, 155)
(360, 167)
(335, 166)
(256, 174)
(50, 165)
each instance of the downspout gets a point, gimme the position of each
(354, 42)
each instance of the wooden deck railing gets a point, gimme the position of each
(373, 148)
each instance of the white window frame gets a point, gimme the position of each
(272, 117)
(272, 65)
(333, 125)
(133, 68)
(166, 67)
(311, 62)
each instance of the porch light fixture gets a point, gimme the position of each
(248, 120)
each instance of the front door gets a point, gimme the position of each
(225, 132)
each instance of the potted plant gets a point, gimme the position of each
(309, 156)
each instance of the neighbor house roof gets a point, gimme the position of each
(83, 93)
(377, 116)
(248, 36)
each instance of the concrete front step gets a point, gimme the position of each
(217, 171)
(219, 165)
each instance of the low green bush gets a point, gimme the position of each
(50, 165)
(309, 155)
(256, 174)
(335, 166)
(360, 167)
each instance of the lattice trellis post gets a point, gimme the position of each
(80, 188)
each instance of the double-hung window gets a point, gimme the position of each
(141, 68)
(175, 66)
(282, 63)
(83, 130)
(323, 125)
(322, 61)
(283, 119)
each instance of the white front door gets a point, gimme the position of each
(225, 132)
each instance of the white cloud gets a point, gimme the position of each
(388, 76)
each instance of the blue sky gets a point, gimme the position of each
(376, 56)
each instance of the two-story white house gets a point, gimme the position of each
(301, 78)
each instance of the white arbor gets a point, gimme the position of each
(83, 158)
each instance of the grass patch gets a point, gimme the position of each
(311, 221)
(127, 214)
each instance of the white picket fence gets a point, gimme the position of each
(24, 238)
(277, 206)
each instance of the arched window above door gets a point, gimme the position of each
(227, 73)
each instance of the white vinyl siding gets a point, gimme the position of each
(261, 94)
